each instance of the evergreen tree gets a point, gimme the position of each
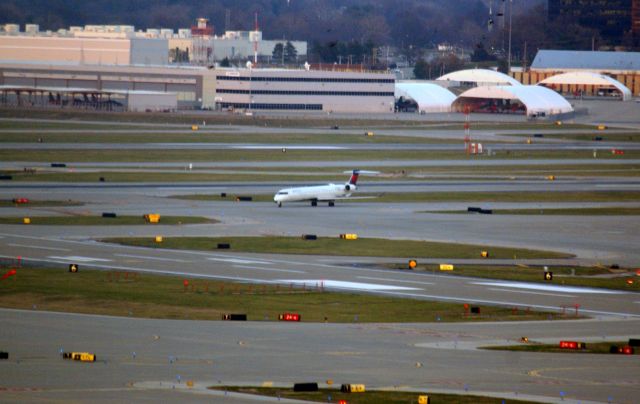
(421, 70)
(290, 53)
(278, 53)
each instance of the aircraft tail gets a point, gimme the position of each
(354, 177)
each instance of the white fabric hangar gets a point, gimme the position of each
(429, 97)
(587, 82)
(530, 100)
(480, 77)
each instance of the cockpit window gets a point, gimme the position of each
(283, 193)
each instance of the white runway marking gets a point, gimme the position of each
(393, 280)
(78, 258)
(40, 248)
(504, 303)
(531, 293)
(150, 258)
(328, 283)
(239, 261)
(276, 147)
(189, 188)
(269, 269)
(550, 288)
(162, 271)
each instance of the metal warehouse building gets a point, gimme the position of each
(152, 87)
(622, 66)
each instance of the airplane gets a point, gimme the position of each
(318, 193)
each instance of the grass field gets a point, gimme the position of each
(368, 397)
(8, 125)
(169, 176)
(516, 197)
(4, 203)
(608, 211)
(188, 155)
(368, 247)
(592, 348)
(594, 277)
(103, 135)
(82, 220)
(132, 173)
(272, 120)
(476, 197)
(152, 296)
(604, 135)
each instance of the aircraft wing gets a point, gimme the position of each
(346, 197)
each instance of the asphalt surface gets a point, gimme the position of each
(151, 360)
(604, 239)
(146, 359)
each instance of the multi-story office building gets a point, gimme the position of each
(612, 18)
(315, 90)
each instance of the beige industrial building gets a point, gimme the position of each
(123, 45)
(197, 87)
(91, 45)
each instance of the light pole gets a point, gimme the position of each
(509, 52)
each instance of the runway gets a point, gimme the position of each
(589, 146)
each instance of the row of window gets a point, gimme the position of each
(293, 92)
(305, 79)
(240, 105)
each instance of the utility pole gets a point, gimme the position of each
(509, 53)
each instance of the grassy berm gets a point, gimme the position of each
(591, 348)
(368, 397)
(154, 296)
(366, 247)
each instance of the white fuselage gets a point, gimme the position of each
(329, 192)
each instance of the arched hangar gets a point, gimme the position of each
(479, 77)
(587, 83)
(428, 97)
(530, 100)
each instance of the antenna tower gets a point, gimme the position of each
(255, 41)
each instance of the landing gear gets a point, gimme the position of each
(279, 204)
(332, 204)
(314, 203)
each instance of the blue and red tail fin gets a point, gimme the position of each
(354, 177)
